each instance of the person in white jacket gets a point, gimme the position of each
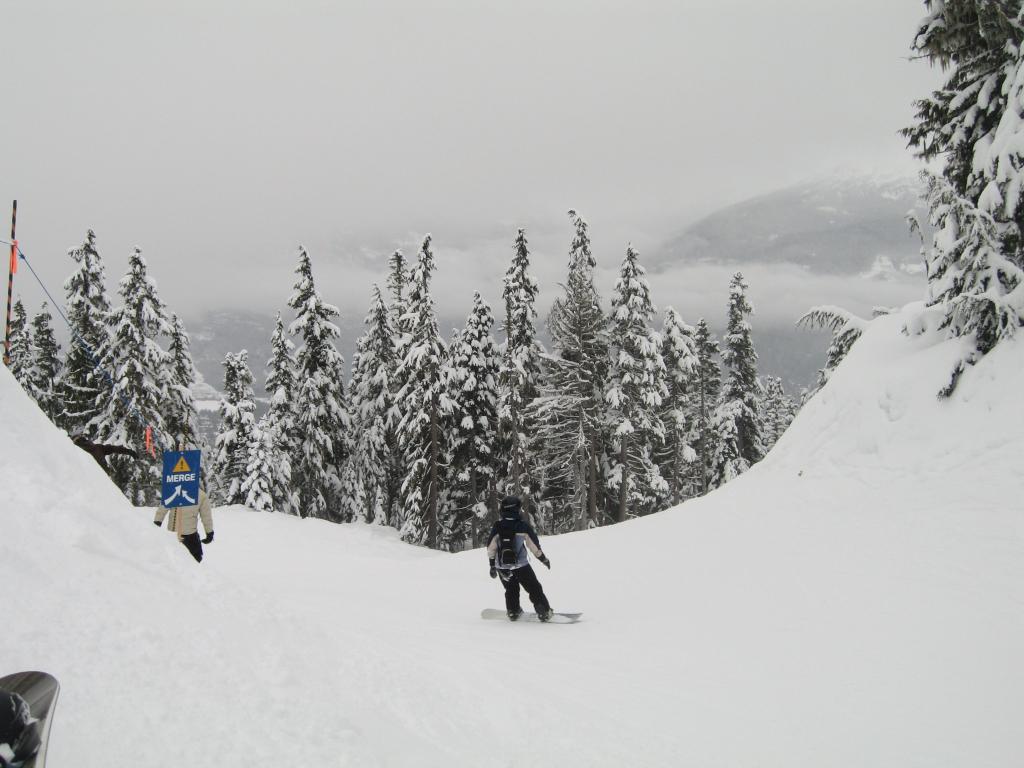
(185, 522)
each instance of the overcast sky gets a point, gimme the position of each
(218, 136)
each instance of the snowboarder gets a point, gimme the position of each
(185, 522)
(99, 451)
(507, 544)
(19, 732)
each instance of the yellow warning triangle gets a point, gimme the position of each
(182, 466)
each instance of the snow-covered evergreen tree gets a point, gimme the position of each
(777, 411)
(236, 434)
(321, 416)
(180, 416)
(19, 353)
(521, 373)
(352, 501)
(398, 285)
(707, 388)
(258, 470)
(634, 393)
(975, 123)
(267, 471)
(88, 310)
(679, 409)
(424, 403)
(43, 381)
(570, 411)
(401, 321)
(846, 328)
(137, 363)
(476, 466)
(375, 455)
(279, 423)
(737, 421)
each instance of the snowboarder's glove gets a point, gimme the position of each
(158, 523)
(544, 559)
(494, 571)
(209, 538)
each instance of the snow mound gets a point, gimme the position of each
(854, 600)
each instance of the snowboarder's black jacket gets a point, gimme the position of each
(526, 537)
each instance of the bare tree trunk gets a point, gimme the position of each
(434, 458)
(624, 486)
(492, 497)
(579, 494)
(703, 438)
(677, 481)
(593, 488)
(517, 468)
(473, 492)
(519, 476)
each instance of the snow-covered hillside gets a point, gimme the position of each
(839, 224)
(857, 599)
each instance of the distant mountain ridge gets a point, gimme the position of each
(837, 225)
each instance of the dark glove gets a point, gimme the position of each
(209, 539)
(544, 559)
(158, 523)
(494, 571)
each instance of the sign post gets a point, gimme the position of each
(10, 285)
(180, 487)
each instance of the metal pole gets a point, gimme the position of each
(10, 285)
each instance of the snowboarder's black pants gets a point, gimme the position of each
(525, 577)
(193, 545)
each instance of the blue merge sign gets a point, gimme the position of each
(180, 487)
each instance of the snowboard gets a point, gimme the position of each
(557, 618)
(39, 690)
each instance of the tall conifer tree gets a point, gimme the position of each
(521, 372)
(321, 415)
(708, 385)
(46, 365)
(777, 411)
(737, 419)
(88, 310)
(279, 424)
(135, 403)
(267, 473)
(180, 415)
(237, 430)
(375, 453)
(635, 392)
(20, 352)
(679, 408)
(570, 412)
(477, 465)
(398, 286)
(425, 403)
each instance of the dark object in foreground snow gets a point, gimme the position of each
(27, 700)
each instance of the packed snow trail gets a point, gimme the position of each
(857, 599)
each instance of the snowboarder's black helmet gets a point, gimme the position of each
(17, 728)
(510, 507)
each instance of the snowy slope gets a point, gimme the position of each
(855, 600)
